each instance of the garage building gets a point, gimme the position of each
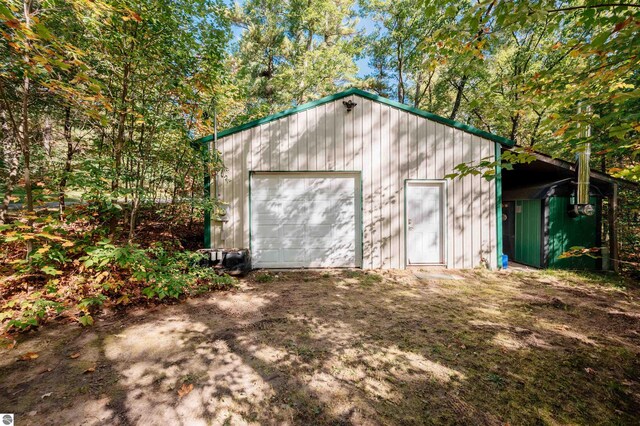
(356, 180)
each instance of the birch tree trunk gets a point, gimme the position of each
(12, 161)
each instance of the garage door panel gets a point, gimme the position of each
(267, 218)
(343, 185)
(322, 212)
(322, 258)
(268, 211)
(267, 231)
(280, 243)
(292, 230)
(295, 212)
(319, 231)
(266, 255)
(341, 228)
(263, 195)
(264, 190)
(332, 212)
(319, 257)
(309, 222)
(271, 204)
(317, 244)
(342, 215)
(293, 255)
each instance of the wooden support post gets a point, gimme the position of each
(613, 235)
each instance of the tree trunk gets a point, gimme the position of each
(12, 162)
(400, 74)
(67, 163)
(613, 229)
(24, 140)
(460, 91)
(135, 202)
(118, 145)
(47, 136)
(515, 121)
(465, 77)
(534, 133)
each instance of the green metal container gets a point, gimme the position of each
(543, 230)
(566, 232)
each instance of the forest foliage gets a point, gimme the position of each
(101, 101)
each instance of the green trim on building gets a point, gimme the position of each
(498, 184)
(366, 95)
(207, 196)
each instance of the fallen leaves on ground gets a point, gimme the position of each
(90, 370)
(185, 389)
(74, 355)
(29, 356)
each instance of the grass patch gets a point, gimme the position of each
(263, 277)
(364, 278)
(369, 279)
(579, 278)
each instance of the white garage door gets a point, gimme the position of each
(305, 220)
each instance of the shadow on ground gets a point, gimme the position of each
(345, 347)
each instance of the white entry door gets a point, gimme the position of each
(425, 222)
(308, 219)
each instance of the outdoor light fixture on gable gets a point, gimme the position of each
(349, 104)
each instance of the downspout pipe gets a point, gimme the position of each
(582, 189)
(215, 145)
(582, 205)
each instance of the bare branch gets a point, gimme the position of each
(593, 6)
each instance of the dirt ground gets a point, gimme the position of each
(345, 347)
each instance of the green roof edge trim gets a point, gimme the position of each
(367, 95)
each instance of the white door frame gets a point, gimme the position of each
(359, 213)
(443, 223)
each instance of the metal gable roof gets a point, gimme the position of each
(367, 95)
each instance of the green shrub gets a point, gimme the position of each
(165, 273)
(85, 275)
(29, 313)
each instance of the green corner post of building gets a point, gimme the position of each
(498, 183)
(207, 196)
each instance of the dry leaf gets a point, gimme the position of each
(75, 355)
(29, 356)
(185, 389)
(90, 370)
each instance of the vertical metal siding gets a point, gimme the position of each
(387, 146)
(528, 232)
